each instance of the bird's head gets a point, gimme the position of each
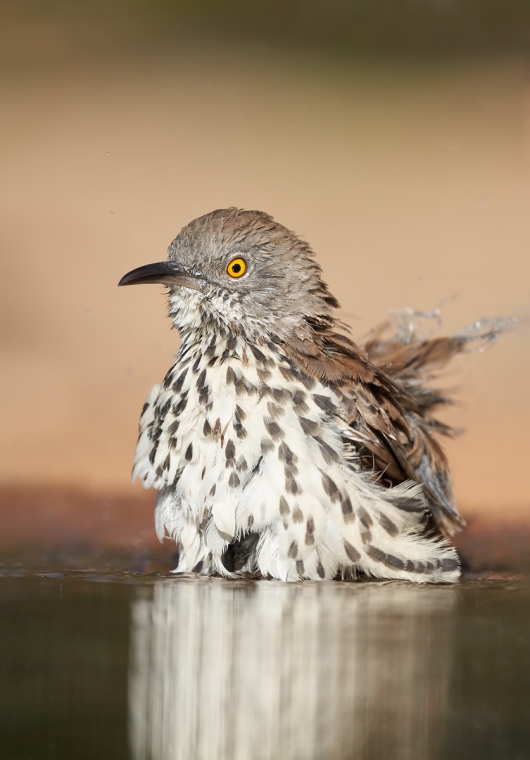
(243, 271)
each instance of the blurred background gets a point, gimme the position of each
(393, 136)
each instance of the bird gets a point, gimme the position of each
(279, 447)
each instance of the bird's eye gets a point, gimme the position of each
(237, 268)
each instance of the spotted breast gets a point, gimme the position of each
(257, 472)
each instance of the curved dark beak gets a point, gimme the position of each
(164, 273)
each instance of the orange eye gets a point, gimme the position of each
(237, 268)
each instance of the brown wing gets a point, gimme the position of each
(389, 408)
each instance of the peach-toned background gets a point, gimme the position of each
(410, 178)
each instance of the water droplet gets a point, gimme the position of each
(89, 312)
(108, 153)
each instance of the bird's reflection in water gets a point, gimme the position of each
(262, 670)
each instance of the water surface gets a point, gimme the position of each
(154, 668)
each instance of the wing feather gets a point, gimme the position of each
(389, 404)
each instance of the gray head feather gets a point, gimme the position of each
(280, 293)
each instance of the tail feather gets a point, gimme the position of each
(401, 348)
(413, 360)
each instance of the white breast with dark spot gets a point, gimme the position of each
(239, 441)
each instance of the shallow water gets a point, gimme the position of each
(154, 668)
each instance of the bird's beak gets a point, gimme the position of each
(163, 272)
